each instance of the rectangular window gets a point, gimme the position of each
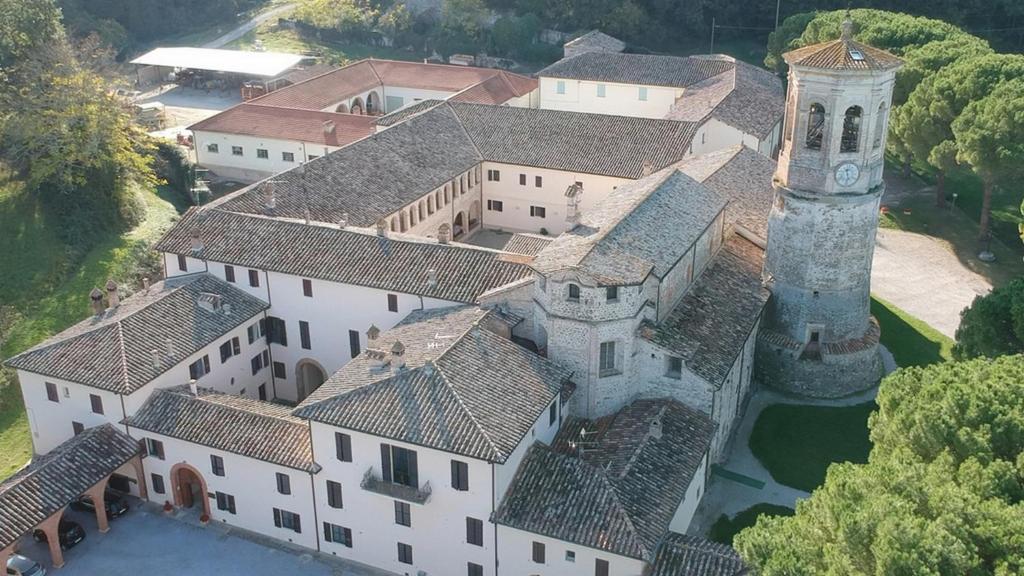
(213, 148)
(304, 335)
(607, 358)
(522, 179)
(254, 331)
(600, 567)
(199, 368)
(307, 287)
(560, 87)
(642, 94)
(474, 531)
(403, 513)
(158, 483)
(288, 520)
(460, 475)
(261, 392)
(262, 153)
(553, 413)
(266, 358)
(254, 278)
(399, 465)
(288, 156)
(334, 494)
(279, 371)
(311, 157)
(256, 363)
(538, 181)
(182, 263)
(494, 176)
(538, 211)
(392, 303)
(343, 446)
(226, 502)
(277, 331)
(570, 556)
(217, 465)
(600, 90)
(236, 150)
(538, 552)
(495, 205)
(404, 553)
(77, 428)
(353, 343)
(51, 392)
(474, 570)
(225, 351)
(155, 448)
(337, 534)
(674, 367)
(284, 484)
(611, 293)
(229, 273)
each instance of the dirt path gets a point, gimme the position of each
(252, 23)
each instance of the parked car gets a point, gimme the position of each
(18, 565)
(115, 504)
(70, 533)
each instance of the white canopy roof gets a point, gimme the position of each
(267, 64)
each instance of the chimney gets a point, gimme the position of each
(169, 347)
(113, 298)
(193, 387)
(305, 213)
(372, 334)
(328, 128)
(398, 355)
(145, 283)
(648, 168)
(382, 227)
(197, 243)
(226, 308)
(97, 301)
(344, 220)
(155, 355)
(269, 199)
(573, 197)
(432, 278)
(444, 234)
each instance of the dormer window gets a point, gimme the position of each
(574, 293)
(851, 129)
(815, 126)
(612, 293)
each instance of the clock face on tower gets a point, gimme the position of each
(847, 174)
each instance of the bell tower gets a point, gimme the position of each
(818, 338)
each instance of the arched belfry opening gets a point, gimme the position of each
(815, 126)
(851, 129)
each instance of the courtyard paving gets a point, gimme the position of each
(145, 541)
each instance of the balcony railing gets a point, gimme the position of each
(373, 483)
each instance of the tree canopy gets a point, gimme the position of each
(993, 325)
(941, 494)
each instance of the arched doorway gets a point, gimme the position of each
(189, 488)
(357, 106)
(342, 108)
(459, 227)
(309, 376)
(372, 103)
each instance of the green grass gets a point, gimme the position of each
(911, 341)
(45, 292)
(725, 529)
(797, 443)
(278, 39)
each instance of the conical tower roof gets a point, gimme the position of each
(844, 53)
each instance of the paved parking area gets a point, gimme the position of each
(144, 541)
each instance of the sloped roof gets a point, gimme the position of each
(595, 41)
(844, 53)
(114, 351)
(463, 389)
(392, 118)
(642, 227)
(681, 555)
(527, 244)
(745, 97)
(710, 325)
(267, 64)
(497, 89)
(643, 69)
(57, 478)
(289, 124)
(349, 256)
(621, 494)
(235, 424)
(318, 92)
(744, 177)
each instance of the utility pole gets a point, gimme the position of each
(712, 51)
(778, 4)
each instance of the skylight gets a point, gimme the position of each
(856, 55)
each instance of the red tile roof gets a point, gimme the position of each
(497, 89)
(326, 89)
(289, 124)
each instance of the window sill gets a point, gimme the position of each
(674, 375)
(609, 373)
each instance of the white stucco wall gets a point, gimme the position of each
(247, 167)
(620, 99)
(515, 555)
(543, 430)
(411, 96)
(688, 507)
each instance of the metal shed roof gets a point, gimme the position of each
(267, 64)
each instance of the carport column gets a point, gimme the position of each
(50, 528)
(140, 475)
(96, 495)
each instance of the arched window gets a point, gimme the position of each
(423, 209)
(437, 199)
(447, 197)
(815, 126)
(402, 224)
(574, 293)
(394, 224)
(430, 204)
(879, 127)
(412, 216)
(851, 129)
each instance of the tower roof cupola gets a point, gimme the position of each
(845, 53)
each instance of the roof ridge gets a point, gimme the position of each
(178, 391)
(613, 489)
(310, 79)
(736, 150)
(462, 126)
(465, 409)
(123, 352)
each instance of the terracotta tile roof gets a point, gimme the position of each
(527, 244)
(642, 227)
(348, 256)
(235, 424)
(289, 124)
(497, 89)
(54, 480)
(744, 177)
(644, 69)
(710, 325)
(462, 389)
(842, 54)
(621, 494)
(407, 112)
(114, 351)
(681, 555)
(321, 91)
(595, 41)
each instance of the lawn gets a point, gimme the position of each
(725, 529)
(278, 39)
(48, 292)
(911, 341)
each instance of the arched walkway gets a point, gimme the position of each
(342, 108)
(373, 103)
(474, 214)
(309, 375)
(189, 487)
(357, 106)
(459, 227)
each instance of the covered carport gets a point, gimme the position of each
(36, 497)
(235, 67)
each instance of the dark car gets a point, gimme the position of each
(70, 534)
(113, 502)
